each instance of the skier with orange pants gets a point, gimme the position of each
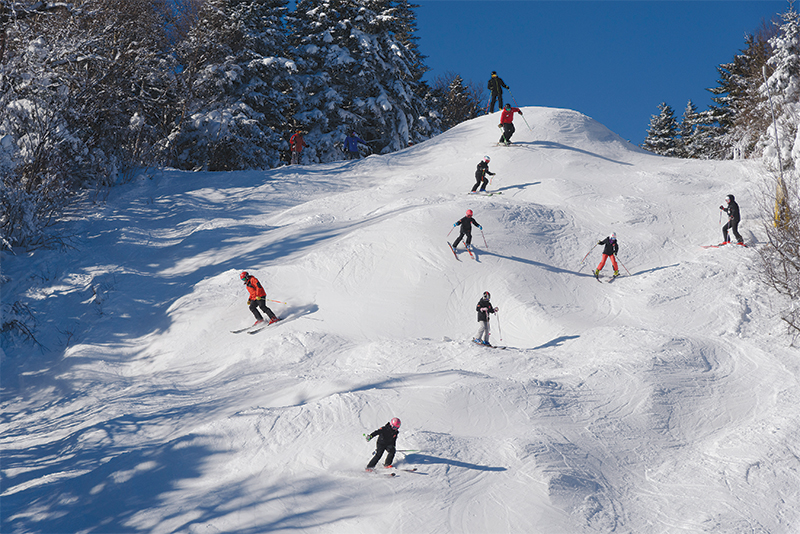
(610, 249)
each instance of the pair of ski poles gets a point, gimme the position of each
(482, 235)
(583, 261)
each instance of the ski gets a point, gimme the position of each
(407, 470)
(380, 473)
(453, 251)
(723, 244)
(248, 328)
(471, 255)
(485, 193)
(263, 325)
(613, 278)
(477, 342)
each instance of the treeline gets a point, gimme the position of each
(91, 89)
(756, 115)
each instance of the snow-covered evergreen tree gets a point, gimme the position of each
(662, 134)
(784, 87)
(356, 74)
(237, 87)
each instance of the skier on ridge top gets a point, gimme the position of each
(507, 124)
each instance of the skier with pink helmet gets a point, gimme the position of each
(387, 442)
(480, 174)
(466, 223)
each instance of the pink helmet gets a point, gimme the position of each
(395, 422)
(469, 213)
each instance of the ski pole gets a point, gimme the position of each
(451, 231)
(499, 330)
(587, 254)
(523, 116)
(484, 240)
(623, 266)
(278, 301)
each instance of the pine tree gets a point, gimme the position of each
(662, 134)
(237, 87)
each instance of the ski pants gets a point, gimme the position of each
(508, 131)
(353, 155)
(260, 303)
(481, 181)
(603, 262)
(496, 97)
(483, 331)
(733, 226)
(467, 242)
(295, 157)
(379, 449)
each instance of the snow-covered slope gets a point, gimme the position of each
(663, 402)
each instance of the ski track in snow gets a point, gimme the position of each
(664, 402)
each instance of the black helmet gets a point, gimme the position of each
(508, 106)
(730, 198)
(486, 295)
(494, 73)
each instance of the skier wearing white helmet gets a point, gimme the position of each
(610, 249)
(733, 221)
(387, 442)
(480, 174)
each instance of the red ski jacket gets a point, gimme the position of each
(254, 288)
(508, 115)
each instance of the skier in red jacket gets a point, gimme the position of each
(258, 298)
(506, 123)
(297, 143)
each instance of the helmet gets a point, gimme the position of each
(486, 295)
(613, 236)
(729, 198)
(487, 159)
(494, 73)
(508, 106)
(395, 422)
(469, 213)
(244, 276)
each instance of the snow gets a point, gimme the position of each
(663, 402)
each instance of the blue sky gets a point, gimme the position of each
(614, 61)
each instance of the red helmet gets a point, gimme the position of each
(395, 422)
(469, 213)
(244, 276)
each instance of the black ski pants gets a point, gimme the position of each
(379, 450)
(260, 303)
(478, 181)
(468, 241)
(508, 131)
(496, 97)
(733, 226)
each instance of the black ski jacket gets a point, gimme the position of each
(482, 170)
(484, 315)
(466, 224)
(733, 211)
(387, 435)
(496, 84)
(610, 248)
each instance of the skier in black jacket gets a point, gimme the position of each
(466, 229)
(480, 174)
(609, 251)
(484, 308)
(496, 85)
(387, 441)
(733, 221)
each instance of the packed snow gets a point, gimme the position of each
(663, 402)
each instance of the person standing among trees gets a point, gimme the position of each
(496, 85)
(480, 174)
(297, 144)
(507, 124)
(351, 143)
(733, 221)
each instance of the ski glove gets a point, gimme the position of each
(369, 438)
(249, 302)
(723, 209)
(456, 224)
(480, 227)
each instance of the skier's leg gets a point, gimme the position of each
(725, 229)
(458, 239)
(510, 131)
(614, 262)
(484, 183)
(735, 230)
(378, 453)
(254, 310)
(602, 262)
(468, 242)
(500, 98)
(483, 331)
(389, 456)
(494, 99)
(477, 183)
(262, 303)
